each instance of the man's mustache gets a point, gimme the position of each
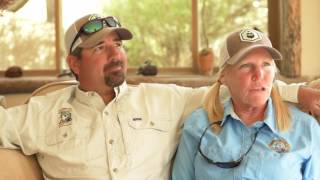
(114, 62)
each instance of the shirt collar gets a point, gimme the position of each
(228, 111)
(92, 98)
(121, 90)
(269, 116)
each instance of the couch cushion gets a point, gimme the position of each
(16, 166)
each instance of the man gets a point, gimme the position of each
(102, 128)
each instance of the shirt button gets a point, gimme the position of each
(106, 113)
(65, 135)
(111, 141)
(152, 123)
(115, 170)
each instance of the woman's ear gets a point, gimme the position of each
(222, 78)
(74, 64)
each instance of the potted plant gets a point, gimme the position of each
(206, 55)
(205, 61)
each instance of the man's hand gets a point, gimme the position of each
(309, 100)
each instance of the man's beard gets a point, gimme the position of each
(114, 79)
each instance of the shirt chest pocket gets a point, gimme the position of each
(161, 125)
(67, 143)
(149, 132)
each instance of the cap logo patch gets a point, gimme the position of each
(249, 35)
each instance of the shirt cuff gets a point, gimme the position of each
(289, 92)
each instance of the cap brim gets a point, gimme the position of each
(275, 54)
(96, 38)
(15, 5)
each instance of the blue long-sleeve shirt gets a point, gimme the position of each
(302, 161)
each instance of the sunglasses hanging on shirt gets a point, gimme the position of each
(229, 164)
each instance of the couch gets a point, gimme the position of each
(17, 166)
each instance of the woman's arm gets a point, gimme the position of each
(311, 167)
(183, 167)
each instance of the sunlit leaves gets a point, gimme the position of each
(26, 43)
(162, 29)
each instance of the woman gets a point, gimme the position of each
(251, 135)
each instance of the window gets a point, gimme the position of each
(161, 34)
(28, 38)
(218, 18)
(166, 32)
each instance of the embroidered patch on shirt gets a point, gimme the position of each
(279, 146)
(65, 117)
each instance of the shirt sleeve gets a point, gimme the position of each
(288, 92)
(16, 130)
(194, 99)
(310, 168)
(183, 167)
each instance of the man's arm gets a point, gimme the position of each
(8, 132)
(309, 98)
(288, 92)
(17, 130)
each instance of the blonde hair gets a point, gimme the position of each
(215, 110)
(213, 106)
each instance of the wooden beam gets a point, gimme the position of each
(284, 26)
(58, 30)
(274, 23)
(290, 38)
(195, 39)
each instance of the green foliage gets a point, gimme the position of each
(162, 29)
(26, 43)
(220, 17)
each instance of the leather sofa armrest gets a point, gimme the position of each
(17, 166)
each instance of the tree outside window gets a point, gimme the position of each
(162, 30)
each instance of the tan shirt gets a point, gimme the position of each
(76, 136)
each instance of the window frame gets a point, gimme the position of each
(273, 21)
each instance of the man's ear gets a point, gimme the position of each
(74, 64)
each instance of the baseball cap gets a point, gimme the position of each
(89, 40)
(239, 43)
